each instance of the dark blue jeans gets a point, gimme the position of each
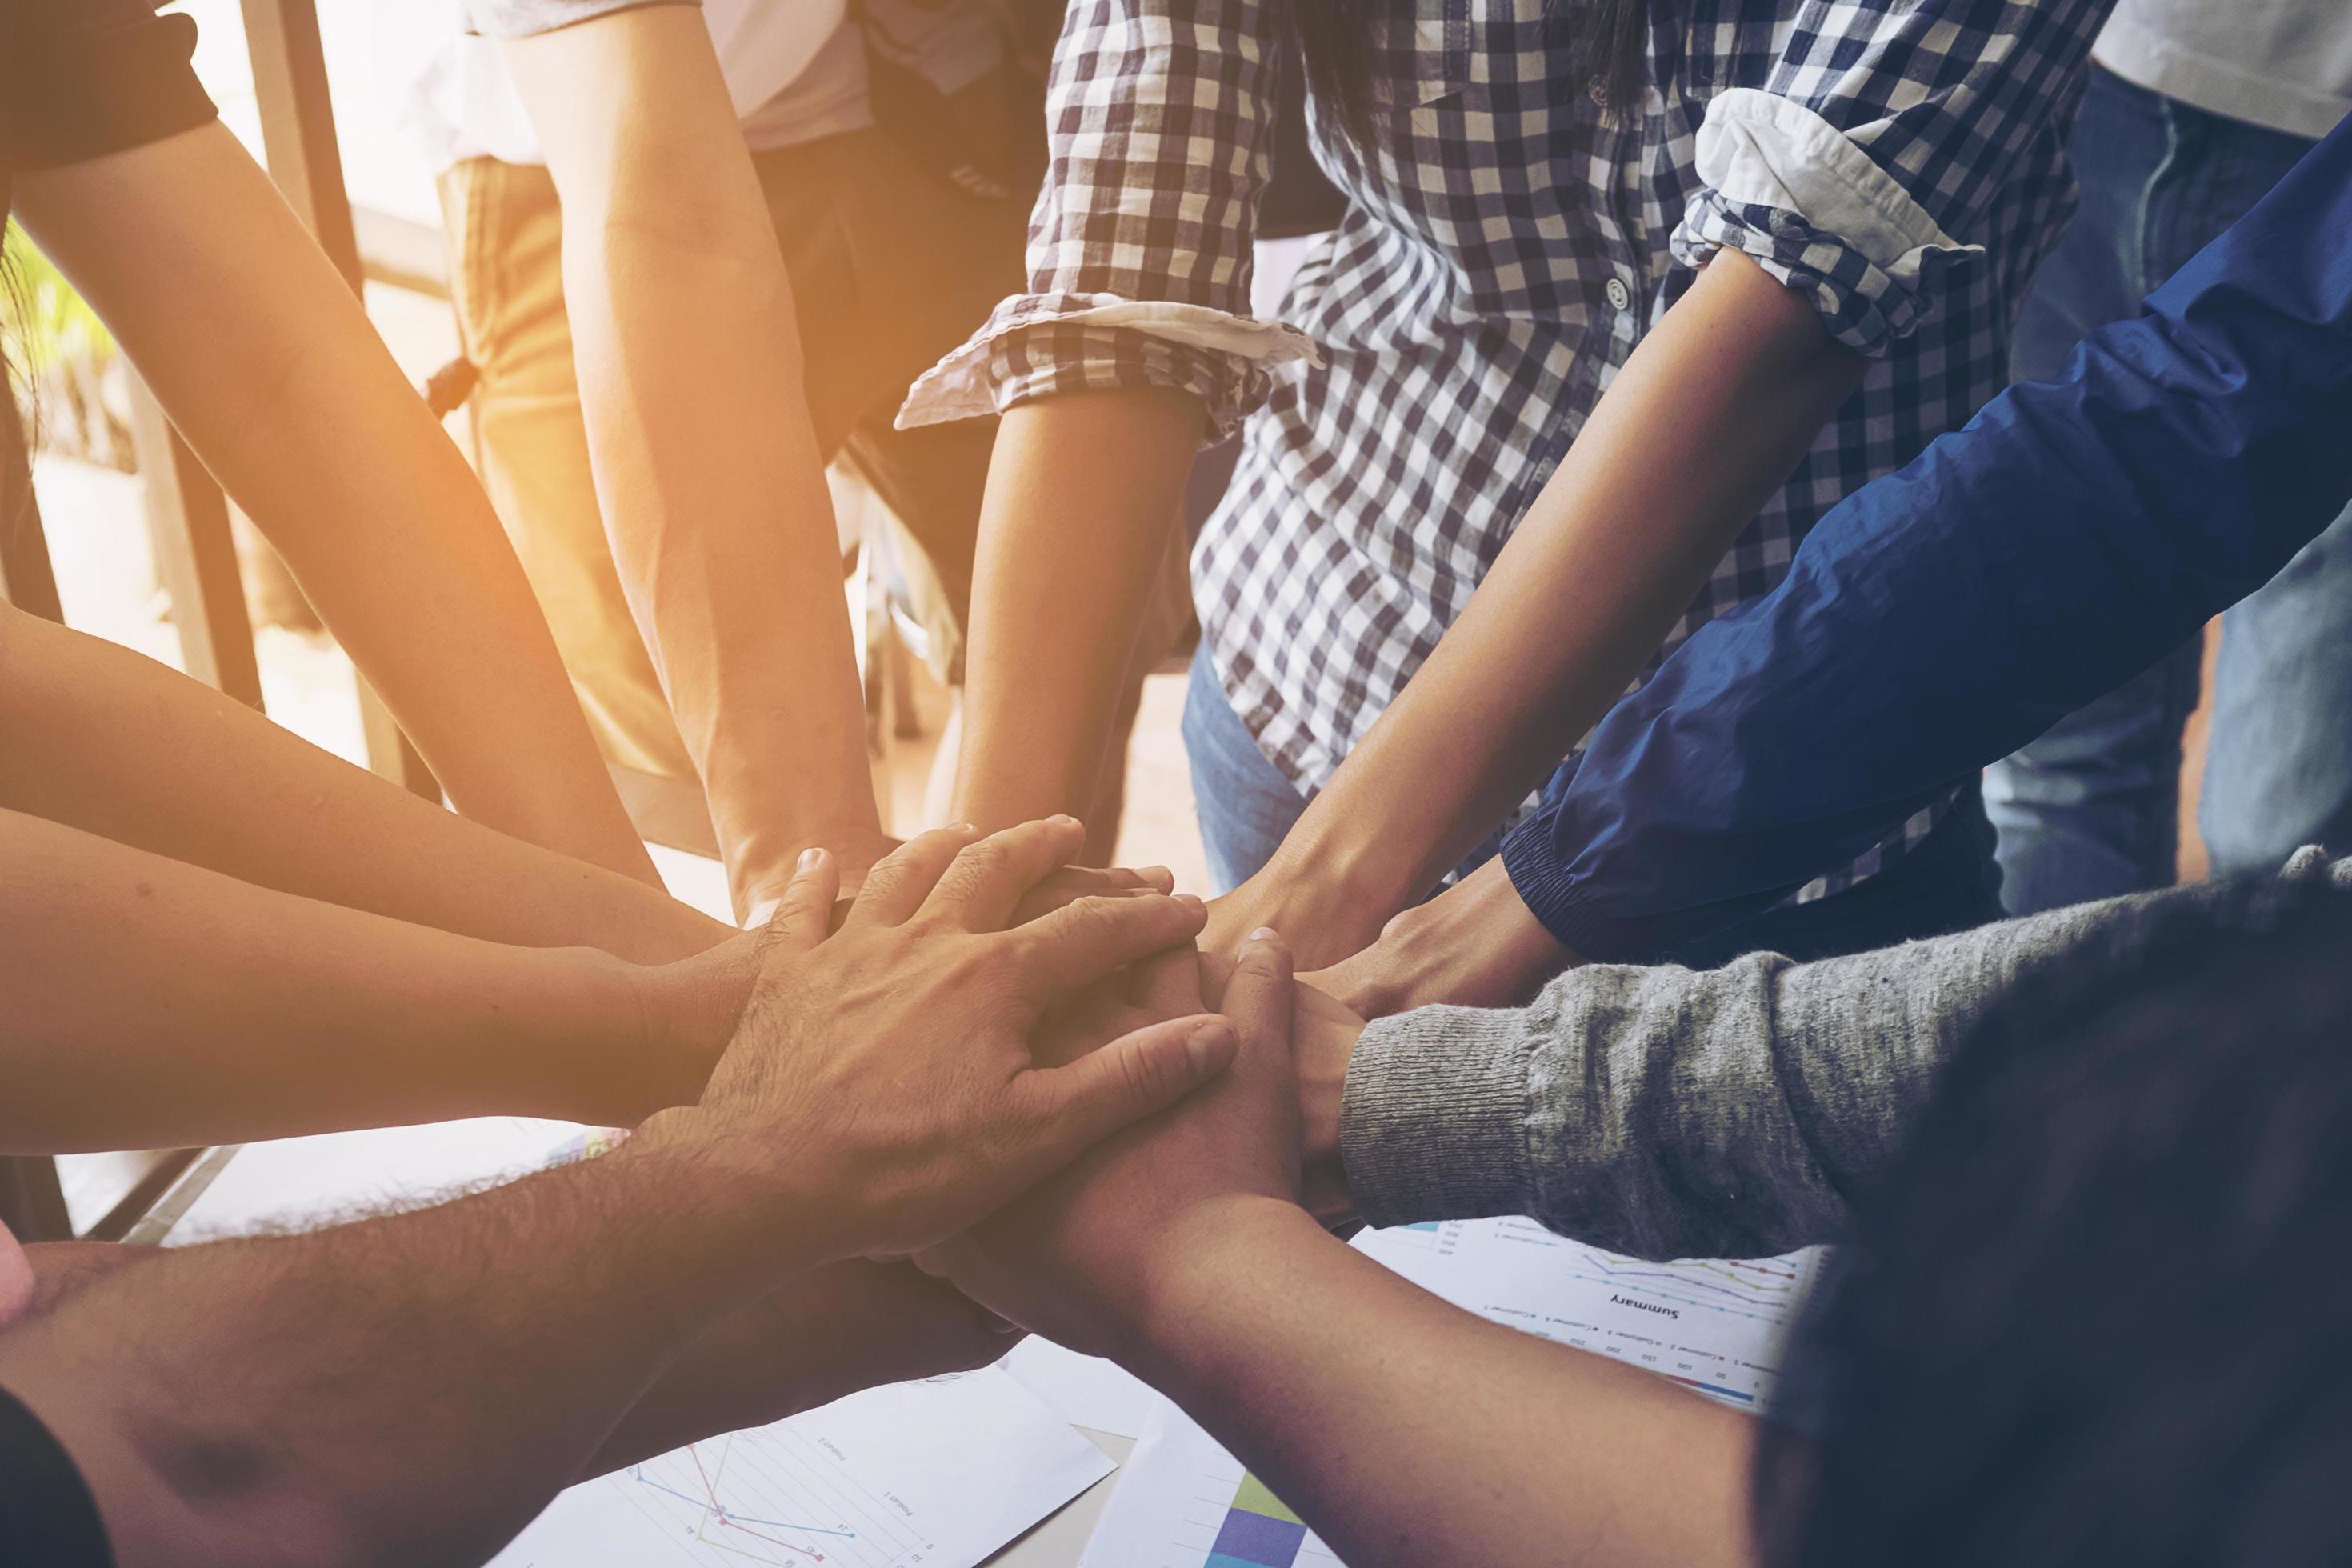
(2091, 808)
(1946, 883)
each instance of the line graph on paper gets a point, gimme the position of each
(772, 1496)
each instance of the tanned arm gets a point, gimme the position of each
(102, 739)
(267, 364)
(705, 459)
(1705, 421)
(414, 1388)
(1083, 489)
(1403, 1429)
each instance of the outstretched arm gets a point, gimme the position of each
(100, 738)
(1705, 421)
(2078, 529)
(414, 1388)
(152, 1003)
(267, 365)
(1083, 491)
(705, 461)
(1389, 1420)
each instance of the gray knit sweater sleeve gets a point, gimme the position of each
(1667, 1113)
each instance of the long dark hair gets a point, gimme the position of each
(1610, 38)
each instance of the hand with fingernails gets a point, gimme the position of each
(880, 1089)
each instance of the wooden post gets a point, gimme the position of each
(297, 140)
(187, 523)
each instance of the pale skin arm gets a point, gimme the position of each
(152, 1003)
(705, 461)
(267, 365)
(1706, 418)
(1083, 489)
(105, 739)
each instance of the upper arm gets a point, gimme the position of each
(638, 127)
(1872, 159)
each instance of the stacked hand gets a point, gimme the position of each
(1087, 1256)
(1477, 944)
(880, 1092)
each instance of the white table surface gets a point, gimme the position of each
(1059, 1542)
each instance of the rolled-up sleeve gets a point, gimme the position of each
(1158, 118)
(1869, 169)
(2078, 529)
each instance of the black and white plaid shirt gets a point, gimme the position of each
(1898, 162)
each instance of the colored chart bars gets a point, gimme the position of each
(1258, 1530)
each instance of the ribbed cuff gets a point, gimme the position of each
(1568, 909)
(1433, 1121)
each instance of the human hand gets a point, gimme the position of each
(1322, 919)
(1077, 1258)
(880, 1092)
(1477, 944)
(691, 1006)
(856, 851)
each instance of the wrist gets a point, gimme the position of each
(1192, 1273)
(687, 1012)
(745, 1192)
(1343, 858)
(1323, 1044)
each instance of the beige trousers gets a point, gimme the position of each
(890, 268)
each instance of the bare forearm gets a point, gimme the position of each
(1705, 420)
(100, 738)
(268, 365)
(706, 462)
(823, 1335)
(285, 1405)
(1082, 492)
(152, 1003)
(1394, 1422)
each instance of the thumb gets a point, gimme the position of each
(804, 913)
(1133, 1077)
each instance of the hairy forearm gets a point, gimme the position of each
(100, 738)
(1705, 421)
(706, 463)
(408, 1389)
(268, 365)
(1082, 492)
(1397, 1426)
(823, 1335)
(152, 1003)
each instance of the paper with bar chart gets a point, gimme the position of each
(1716, 1327)
(920, 1475)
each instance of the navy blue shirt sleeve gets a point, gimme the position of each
(2074, 532)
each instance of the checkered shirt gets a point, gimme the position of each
(1897, 163)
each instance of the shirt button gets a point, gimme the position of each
(1620, 297)
(1599, 89)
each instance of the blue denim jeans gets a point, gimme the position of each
(2091, 808)
(1946, 883)
(1245, 803)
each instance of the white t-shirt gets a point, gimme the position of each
(2284, 63)
(795, 69)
